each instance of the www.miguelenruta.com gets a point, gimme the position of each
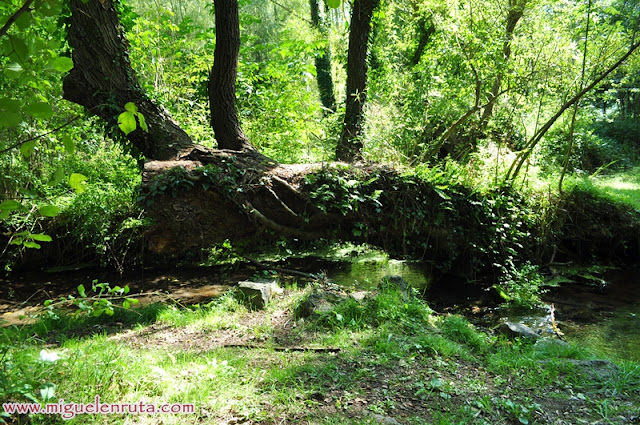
(69, 410)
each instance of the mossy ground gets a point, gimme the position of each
(399, 362)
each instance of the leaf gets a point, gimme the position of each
(131, 107)
(48, 391)
(68, 144)
(143, 123)
(9, 119)
(126, 304)
(39, 110)
(82, 291)
(31, 244)
(77, 182)
(27, 148)
(49, 211)
(127, 122)
(9, 105)
(13, 71)
(62, 64)
(41, 237)
(57, 177)
(333, 3)
(10, 205)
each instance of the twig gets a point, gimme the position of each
(266, 347)
(554, 324)
(25, 7)
(15, 145)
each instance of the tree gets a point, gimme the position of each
(222, 81)
(323, 62)
(103, 81)
(350, 145)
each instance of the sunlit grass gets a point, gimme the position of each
(622, 187)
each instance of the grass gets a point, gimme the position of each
(622, 187)
(398, 359)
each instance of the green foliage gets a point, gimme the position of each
(520, 286)
(127, 120)
(103, 302)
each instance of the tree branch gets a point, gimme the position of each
(15, 145)
(13, 18)
(514, 170)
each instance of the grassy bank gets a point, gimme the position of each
(397, 361)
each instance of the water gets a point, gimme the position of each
(364, 272)
(605, 320)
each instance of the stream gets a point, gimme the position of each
(604, 317)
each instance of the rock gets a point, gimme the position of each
(551, 342)
(359, 295)
(517, 330)
(317, 303)
(258, 294)
(597, 369)
(386, 420)
(393, 281)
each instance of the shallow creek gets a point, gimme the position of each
(605, 317)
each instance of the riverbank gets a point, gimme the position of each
(383, 359)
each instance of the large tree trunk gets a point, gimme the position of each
(323, 63)
(350, 145)
(222, 81)
(103, 81)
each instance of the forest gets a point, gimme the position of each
(438, 204)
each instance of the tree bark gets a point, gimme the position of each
(323, 63)
(425, 35)
(103, 80)
(516, 12)
(350, 145)
(222, 80)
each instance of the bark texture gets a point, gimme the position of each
(516, 12)
(350, 145)
(103, 80)
(323, 63)
(222, 80)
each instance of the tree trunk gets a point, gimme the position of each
(350, 145)
(323, 63)
(516, 11)
(103, 81)
(222, 81)
(425, 36)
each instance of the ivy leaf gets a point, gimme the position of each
(127, 122)
(77, 182)
(49, 210)
(39, 110)
(27, 148)
(143, 123)
(131, 107)
(62, 64)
